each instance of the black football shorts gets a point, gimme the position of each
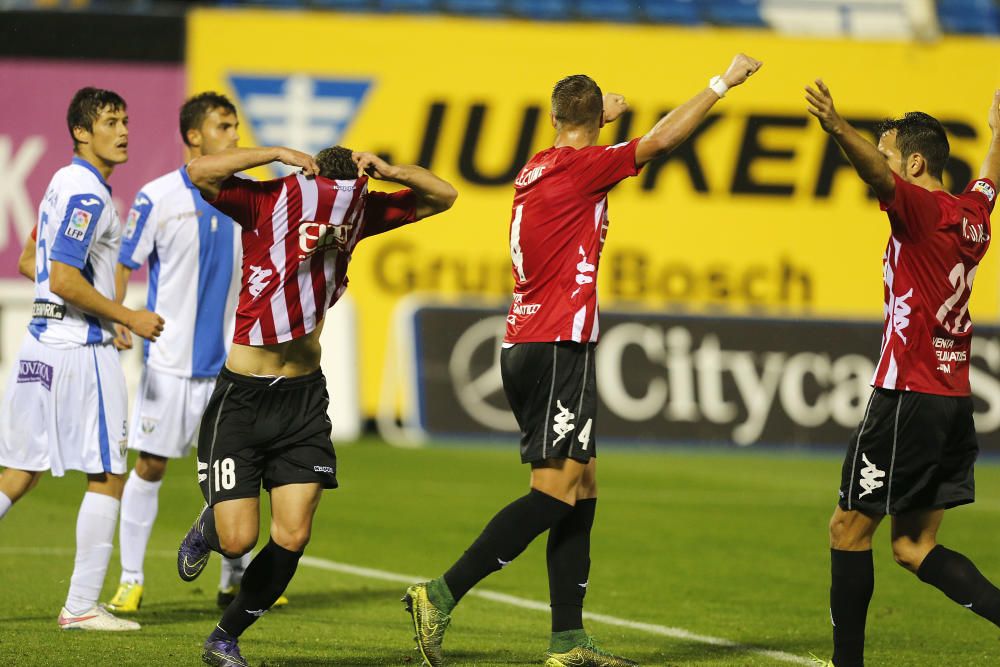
(553, 392)
(912, 451)
(261, 431)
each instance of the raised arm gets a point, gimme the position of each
(991, 163)
(208, 172)
(434, 194)
(671, 131)
(870, 164)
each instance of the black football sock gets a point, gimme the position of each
(504, 538)
(957, 577)
(207, 528)
(263, 582)
(852, 583)
(568, 558)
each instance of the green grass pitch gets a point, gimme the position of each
(729, 544)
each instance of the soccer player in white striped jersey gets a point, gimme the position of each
(194, 254)
(65, 404)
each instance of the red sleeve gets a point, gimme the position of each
(913, 212)
(600, 168)
(385, 212)
(34, 232)
(246, 201)
(983, 192)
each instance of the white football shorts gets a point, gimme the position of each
(65, 409)
(167, 412)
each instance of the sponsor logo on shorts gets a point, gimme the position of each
(123, 446)
(79, 222)
(35, 371)
(870, 476)
(202, 476)
(148, 425)
(562, 423)
(327, 469)
(256, 612)
(48, 310)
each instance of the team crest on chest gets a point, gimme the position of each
(323, 236)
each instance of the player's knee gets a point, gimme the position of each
(845, 534)
(236, 543)
(586, 489)
(294, 539)
(150, 467)
(909, 554)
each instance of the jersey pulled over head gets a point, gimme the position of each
(298, 237)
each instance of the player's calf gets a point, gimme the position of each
(957, 577)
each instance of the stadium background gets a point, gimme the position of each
(742, 279)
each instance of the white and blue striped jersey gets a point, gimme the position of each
(78, 226)
(194, 255)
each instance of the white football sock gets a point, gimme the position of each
(140, 502)
(5, 504)
(233, 569)
(95, 534)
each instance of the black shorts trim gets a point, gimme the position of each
(265, 432)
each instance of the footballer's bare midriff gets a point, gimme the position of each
(290, 359)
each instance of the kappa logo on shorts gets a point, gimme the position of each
(562, 424)
(148, 425)
(202, 476)
(35, 371)
(870, 476)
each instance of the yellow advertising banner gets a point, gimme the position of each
(758, 213)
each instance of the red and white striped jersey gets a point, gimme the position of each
(557, 231)
(937, 242)
(298, 237)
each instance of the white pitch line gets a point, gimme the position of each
(503, 598)
(524, 603)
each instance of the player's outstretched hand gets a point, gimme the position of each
(614, 106)
(294, 158)
(994, 116)
(740, 69)
(146, 324)
(373, 165)
(123, 337)
(821, 105)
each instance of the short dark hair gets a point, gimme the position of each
(918, 132)
(578, 100)
(86, 107)
(193, 111)
(335, 162)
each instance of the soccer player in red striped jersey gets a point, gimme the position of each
(266, 423)
(913, 454)
(558, 226)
